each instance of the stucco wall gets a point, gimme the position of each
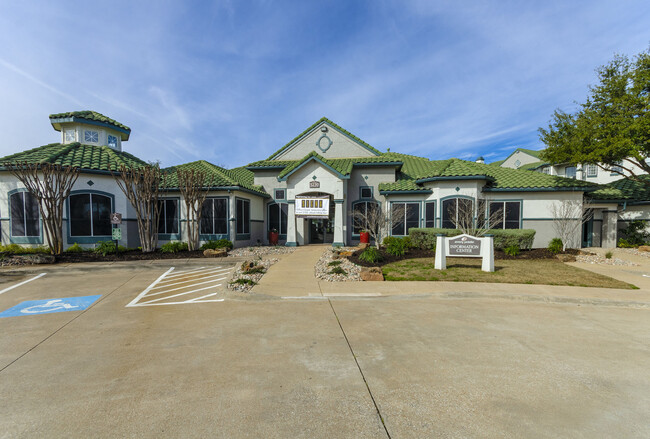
(523, 158)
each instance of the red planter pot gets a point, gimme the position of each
(273, 238)
(364, 237)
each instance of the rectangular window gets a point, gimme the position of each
(366, 192)
(592, 170)
(404, 216)
(70, 136)
(570, 172)
(112, 141)
(430, 214)
(25, 215)
(243, 217)
(168, 220)
(90, 215)
(363, 216)
(508, 220)
(278, 217)
(457, 211)
(214, 216)
(616, 169)
(546, 170)
(91, 136)
(280, 194)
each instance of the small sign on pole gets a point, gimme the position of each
(116, 218)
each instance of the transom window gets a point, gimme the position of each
(70, 135)
(280, 194)
(168, 220)
(430, 214)
(366, 192)
(278, 217)
(112, 141)
(243, 216)
(214, 216)
(91, 136)
(25, 215)
(404, 216)
(363, 211)
(456, 210)
(506, 213)
(90, 215)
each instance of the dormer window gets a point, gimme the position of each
(91, 136)
(112, 141)
(70, 136)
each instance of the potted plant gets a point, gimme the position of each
(273, 236)
(364, 237)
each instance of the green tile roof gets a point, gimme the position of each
(333, 125)
(90, 115)
(217, 176)
(85, 157)
(533, 152)
(533, 166)
(497, 163)
(342, 166)
(624, 189)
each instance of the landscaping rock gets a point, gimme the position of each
(371, 274)
(644, 248)
(566, 258)
(363, 245)
(323, 270)
(216, 253)
(35, 259)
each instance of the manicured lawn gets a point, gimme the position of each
(537, 271)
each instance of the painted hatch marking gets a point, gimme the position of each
(48, 306)
(195, 285)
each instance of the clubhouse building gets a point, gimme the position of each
(307, 191)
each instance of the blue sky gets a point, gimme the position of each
(231, 82)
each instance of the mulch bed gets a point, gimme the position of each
(537, 253)
(132, 255)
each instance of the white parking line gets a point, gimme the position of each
(184, 283)
(22, 283)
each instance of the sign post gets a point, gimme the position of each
(116, 220)
(465, 246)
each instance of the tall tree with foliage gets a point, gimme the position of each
(141, 185)
(50, 185)
(192, 185)
(612, 128)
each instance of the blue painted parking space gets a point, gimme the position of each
(48, 306)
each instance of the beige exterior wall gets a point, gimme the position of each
(79, 129)
(521, 157)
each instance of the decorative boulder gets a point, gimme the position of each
(566, 258)
(363, 245)
(371, 274)
(644, 248)
(216, 253)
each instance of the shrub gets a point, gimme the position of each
(20, 250)
(254, 270)
(173, 247)
(397, 246)
(635, 233)
(339, 270)
(624, 243)
(555, 246)
(512, 250)
(609, 255)
(334, 263)
(371, 255)
(75, 248)
(426, 238)
(105, 247)
(243, 281)
(220, 243)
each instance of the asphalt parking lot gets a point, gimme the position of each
(215, 364)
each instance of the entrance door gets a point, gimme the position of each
(587, 233)
(320, 231)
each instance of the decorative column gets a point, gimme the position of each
(339, 240)
(291, 224)
(608, 239)
(441, 252)
(232, 212)
(488, 253)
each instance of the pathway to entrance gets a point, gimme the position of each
(293, 275)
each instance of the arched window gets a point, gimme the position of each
(457, 211)
(90, 215)
(25, 216)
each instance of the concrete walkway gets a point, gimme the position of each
(293, 276)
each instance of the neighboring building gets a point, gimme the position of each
(306, 190)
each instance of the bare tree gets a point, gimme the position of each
(475, 219)
(378, 222)
(568, 218)
(50, 184)
(192, 184)
(141, 185)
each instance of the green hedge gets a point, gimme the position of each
(426, 238)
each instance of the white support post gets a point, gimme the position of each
(291, 225)
(441, 252)
(488, 253)
(338, 224)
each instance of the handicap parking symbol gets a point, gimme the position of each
(47, 306)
